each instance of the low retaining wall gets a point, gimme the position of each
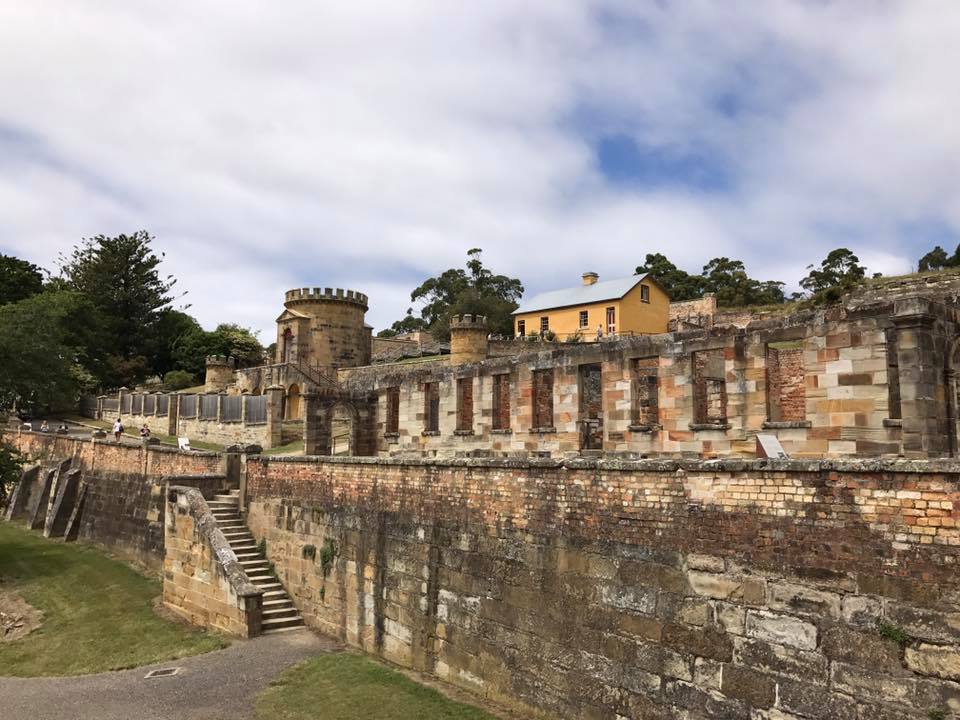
(121, 488)
(736, 590)
(202, 580)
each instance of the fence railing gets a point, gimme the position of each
(231, 408)
(256, 409)
(209, 406)
(248, 409)
(188, 406)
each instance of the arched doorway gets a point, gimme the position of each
(292, 407)
(342, 430)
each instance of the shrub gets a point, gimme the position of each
(177, 380)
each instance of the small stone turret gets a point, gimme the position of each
(468, 339)
(220, 373)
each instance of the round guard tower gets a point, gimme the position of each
(323, 327)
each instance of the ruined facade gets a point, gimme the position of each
(872, 376)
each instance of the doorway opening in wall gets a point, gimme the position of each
(591, 407)
(342, 431)
(431, 407)
(292, 407)
(611, 321)
(786, 382)
(644, 386)
(952, 383)
(286, 350)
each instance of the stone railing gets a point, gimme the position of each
(202, 579)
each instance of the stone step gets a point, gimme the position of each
(246, 547)
(246, 555)
(276, 601)
(292, 628)
(261, 577)
(275, 624)
(273, 595)
(221, 502)
(251, 565)
(279, 612)
(269, 586)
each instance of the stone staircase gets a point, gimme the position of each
(279, 613)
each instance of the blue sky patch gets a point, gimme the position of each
(624, 161)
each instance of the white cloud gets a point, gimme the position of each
(370, 144)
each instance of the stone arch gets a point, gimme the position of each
(293, 405)
(343, 423)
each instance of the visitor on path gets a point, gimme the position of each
(63, 427)
(44, 426)
(118, 429)
(599, 331)
(144, 431)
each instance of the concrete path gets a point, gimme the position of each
(217, 686)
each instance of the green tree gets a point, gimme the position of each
(228, 339)
(729, 281)
(11, 464)
(120, 277)
(678, 284)
(838, 273)
(169, 332)
(43, 363)
(456, 290)
(19, 279)
(410, 323)
(936, 259)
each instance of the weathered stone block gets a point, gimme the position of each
(802, 600)
(935, 660)
(754, 688)
(781, 660)
(857, 648)
(781, 629)
(702, 642)
(814, 701)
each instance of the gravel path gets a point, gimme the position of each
(217, 686)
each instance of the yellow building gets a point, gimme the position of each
(634, 305)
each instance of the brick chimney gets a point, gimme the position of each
(589, 278)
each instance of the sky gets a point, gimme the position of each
(369, 145)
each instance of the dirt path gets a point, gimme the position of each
(217, 686)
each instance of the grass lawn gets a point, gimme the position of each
(291, 448)
(97, 612)
(346, 686)
(134, 432)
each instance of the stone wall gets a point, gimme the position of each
(121, 488)
(658, 589)
(202, 580)
(824, 391)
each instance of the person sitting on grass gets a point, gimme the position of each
(144, 431)
(44, 426)
(117, 429)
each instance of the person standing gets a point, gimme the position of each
(117, 429)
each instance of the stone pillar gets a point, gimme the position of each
(316, 432)
(922, 372)
(173, 414)
(100, 399)
(468, 339)
(121, 393)
(274, 395)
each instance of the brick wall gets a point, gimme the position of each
(651, 589)
(786, 393)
